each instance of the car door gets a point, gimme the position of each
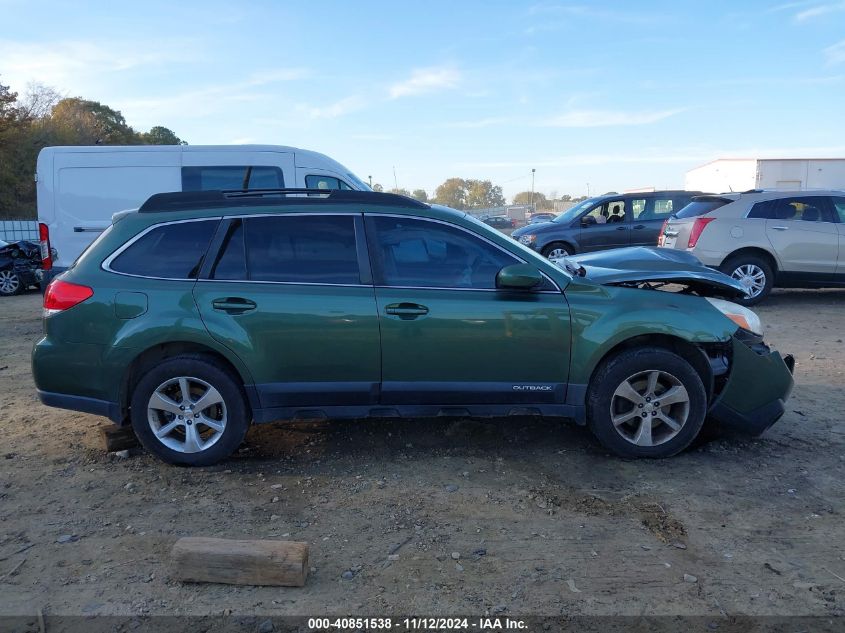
(606, 225)
(292, 296)
(649, 214)
(448, 335)
(804, 235)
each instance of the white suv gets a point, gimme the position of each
(790, 239)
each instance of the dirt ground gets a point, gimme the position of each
(543, 520)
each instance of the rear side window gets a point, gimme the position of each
(701, 206)
(170, 251)
(213, 178)
(317, 249)
(803, 208)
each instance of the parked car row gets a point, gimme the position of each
(763, 239)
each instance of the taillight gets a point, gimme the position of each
(44, 240)
(697, 230)
(661, 237)
(61, 295)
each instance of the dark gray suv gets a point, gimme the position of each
(609, 221)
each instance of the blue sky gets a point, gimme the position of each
(619, 95)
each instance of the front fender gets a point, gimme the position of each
(603, 317)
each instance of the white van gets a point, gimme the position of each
(80, 188)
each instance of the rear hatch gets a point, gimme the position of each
(678, 229)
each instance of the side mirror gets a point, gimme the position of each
(519, 276)
(588, 220)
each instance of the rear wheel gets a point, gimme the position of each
(557, 250)
(10, 283)
(754, 273)
(646, 402)
(189, 410)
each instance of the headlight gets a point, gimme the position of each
(740, 315)
(527, 239)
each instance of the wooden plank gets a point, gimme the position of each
(234, 562)
(118, 438)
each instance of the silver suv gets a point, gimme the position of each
(789, 239)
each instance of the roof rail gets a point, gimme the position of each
(186, 200)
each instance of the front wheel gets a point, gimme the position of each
(10, 283)
(557, 250)
(189, 410)
(646, 402)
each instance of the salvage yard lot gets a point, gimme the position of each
(543, 521)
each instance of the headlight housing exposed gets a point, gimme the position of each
(528, 239)
(740, 315)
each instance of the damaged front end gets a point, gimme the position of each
(750, 382)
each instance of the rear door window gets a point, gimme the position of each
(223, 177)
(169, 251)
(798, 208)
(318, 249)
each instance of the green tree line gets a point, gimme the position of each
(42, 117)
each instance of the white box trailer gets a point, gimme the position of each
(742, 174)
(80, 188)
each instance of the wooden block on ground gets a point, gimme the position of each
(254, 562)
(118, 438)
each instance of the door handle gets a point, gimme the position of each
(406, 311)
(780, 228)
(233, 305)
(639, 226)
(621, 228)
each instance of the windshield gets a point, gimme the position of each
(362, 186)
(570, 214)
(2, 243)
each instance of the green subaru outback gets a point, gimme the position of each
(203, 312)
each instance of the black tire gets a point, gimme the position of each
(10, 283)
(617, 370)
(732, 266)
(201, 369)
(547, 250)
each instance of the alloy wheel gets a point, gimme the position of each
(187, 415)
(752, 277)
(649, 408)
(9, 282)
(558, 253)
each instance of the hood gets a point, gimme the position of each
(644, 264)
(537, 228)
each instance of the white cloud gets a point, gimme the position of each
(835, 54)
(819, 9)
(605, 118)
(68, 64)
(425, 80)
(336, 109)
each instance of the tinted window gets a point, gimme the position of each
(325, 182)
(172, 251)
(839, 205)
(231, 262)
(806, 209)
(212, 178)
(428, 254)
(701, 206)
(304, 249)
(765, 209)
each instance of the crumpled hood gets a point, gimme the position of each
(650, 264)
